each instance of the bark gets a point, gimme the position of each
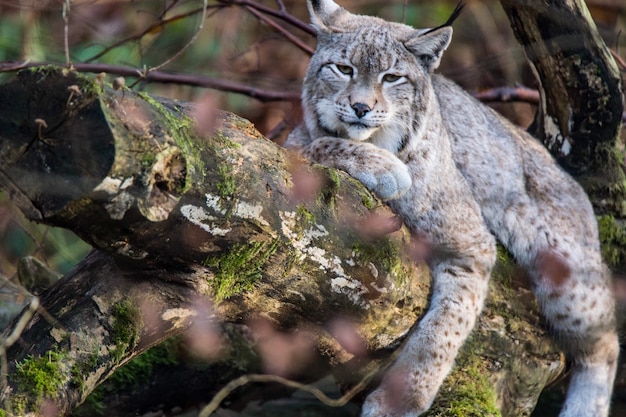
(580, 113)
(193, 229)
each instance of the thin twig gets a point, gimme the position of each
(290, 36)
(281, 6)
(281, 14)
(158, 24)
(170, 78)
(404, 7)
(66, 30)
(508, 94)
(10, 340)
(619, 60)
(188, 44)
(243, 380)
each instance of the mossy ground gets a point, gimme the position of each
(326, 196)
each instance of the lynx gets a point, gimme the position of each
(458, 173)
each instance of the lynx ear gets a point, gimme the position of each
(321, 12)
(428, 47)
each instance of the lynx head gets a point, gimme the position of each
(369, 79)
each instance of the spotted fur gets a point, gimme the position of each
(457, 173)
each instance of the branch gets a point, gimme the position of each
(292, 38)
(158, 24)
(168, 78)
(514, 94)
(508, 94)
(281, 14)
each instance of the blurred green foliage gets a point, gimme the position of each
(58, 248)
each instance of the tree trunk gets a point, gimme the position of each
(192, 229)
(580, 113)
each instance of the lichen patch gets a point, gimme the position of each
(250, 212)
(120, 201)
(351, 288)
(303, 241)
(177, 315)
(202, 219)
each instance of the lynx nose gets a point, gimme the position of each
(361, 109)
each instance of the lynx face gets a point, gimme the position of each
(369, 89)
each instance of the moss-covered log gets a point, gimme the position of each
(188, 226)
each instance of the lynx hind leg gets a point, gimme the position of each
(378, 169)
(578, 303)
(557, 241)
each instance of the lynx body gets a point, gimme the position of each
(456, 172)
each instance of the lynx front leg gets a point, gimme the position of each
(460, 284)
(378, 169)
(411, 384)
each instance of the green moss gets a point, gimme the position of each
(466, 392)
(505, 268)
(613, 241)
(387, 252)
(147, 159)
(331, 186)
(239, 268)
(222, 139)
(77, 377)
(305, 215)
(2, 413)
(180, 128)
(39, 378)
(79, 370)
(369, 201)
(125, 328)
(140, 368)
(86, 83)
(226, 186)
(133, 374)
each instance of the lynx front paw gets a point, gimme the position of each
(378, 169)
(387, 182)
(385, 403)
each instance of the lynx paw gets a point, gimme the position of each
(387, 182)
(382, 403)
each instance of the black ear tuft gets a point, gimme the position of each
(316, 5)
(455, 14)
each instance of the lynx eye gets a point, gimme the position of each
(345, 69)
(391, 78)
